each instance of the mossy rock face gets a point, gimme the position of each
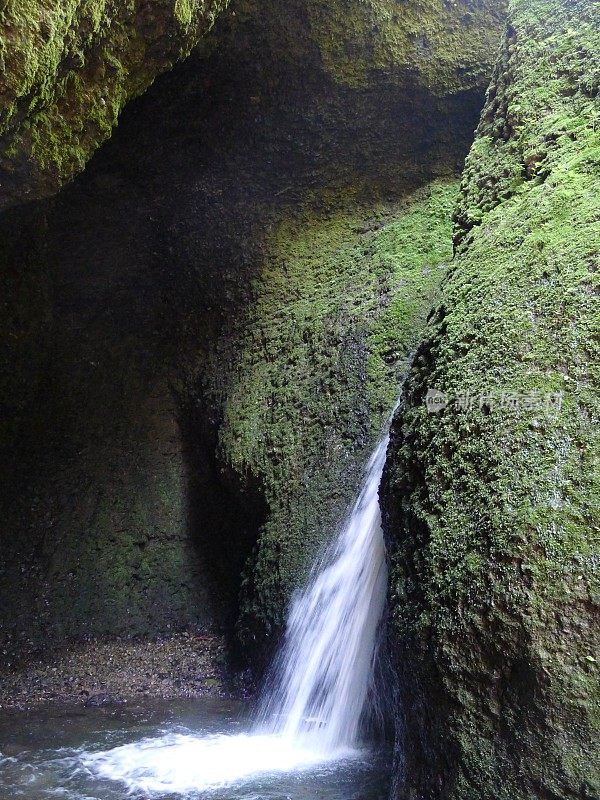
(491, 505)
(444, 47)
(415, 40)
(207, 328)
(306, 381)
(68, 69)
(95, 477)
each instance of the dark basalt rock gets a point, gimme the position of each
(103, 701)
(207, 328)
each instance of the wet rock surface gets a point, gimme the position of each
(206, 329)
(68, 69)
(491, 503)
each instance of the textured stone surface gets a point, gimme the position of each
(69, 67)
(112, 671)
(96, 529)
(492, 512)
(444, 47)
(207, 327)
(306, 380)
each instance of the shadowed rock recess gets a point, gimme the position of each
(492, 513)
(205, 331)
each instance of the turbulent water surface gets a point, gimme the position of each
(321, 679)
(304, 743)
(183, 749)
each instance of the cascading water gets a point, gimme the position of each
(311, 712)
(321, 677)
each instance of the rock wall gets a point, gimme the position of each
(209, 324)
(445, 47)
(68, 70)
(306, 380)
(96, 536)
(491, 504)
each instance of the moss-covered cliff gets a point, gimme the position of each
(68, 68)
(492, 504)
(175, 318)
(445, 47)
(305, 382)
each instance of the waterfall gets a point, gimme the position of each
(311, 712)
(320, 680)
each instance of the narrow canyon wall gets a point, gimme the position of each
(306, 380)
(491, 504)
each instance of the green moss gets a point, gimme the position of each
(69, 68)
(533, 115)
(494, 510)
(317, 366)
(408, 258)
(414, 41)
(184, 12)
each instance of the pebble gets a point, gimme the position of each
(103, 673)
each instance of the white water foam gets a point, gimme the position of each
(311, 713)
(180, 763)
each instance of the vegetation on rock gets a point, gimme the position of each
(134, 489)
(444, 47)
(314, 370)
(492, 509)
(204, 334)
(68, 69)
